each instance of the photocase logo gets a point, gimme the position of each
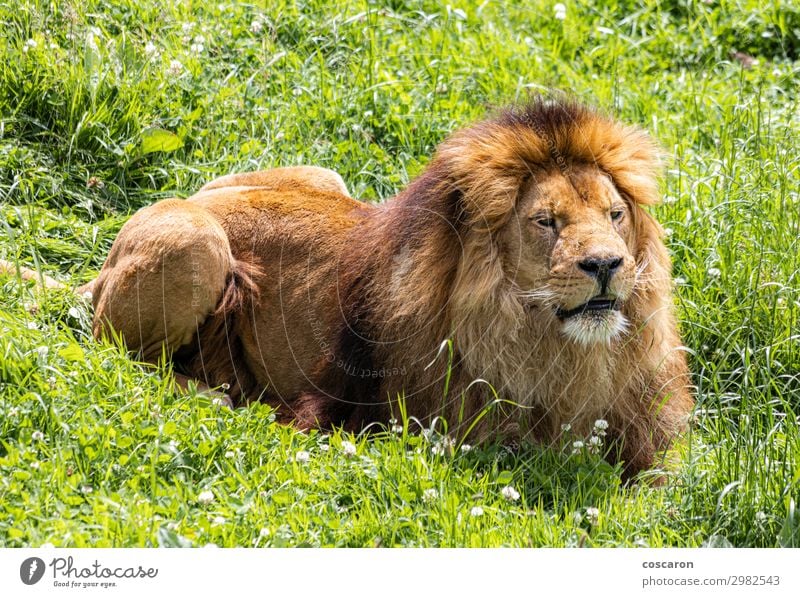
(32, 570)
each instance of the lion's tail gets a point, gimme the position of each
(25, 273)
(216, 356)
(241, 289)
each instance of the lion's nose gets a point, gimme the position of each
(600, 268)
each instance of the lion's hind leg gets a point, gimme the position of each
(166, 273)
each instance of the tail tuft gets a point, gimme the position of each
(216, 355)
(241, 289)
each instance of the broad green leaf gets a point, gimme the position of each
(72, 352)
(157, 139)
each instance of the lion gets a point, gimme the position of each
(516, 288)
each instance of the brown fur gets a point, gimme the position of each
(280, 285)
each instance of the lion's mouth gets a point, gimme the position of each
(596, 305)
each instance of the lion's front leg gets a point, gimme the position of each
(641, 439)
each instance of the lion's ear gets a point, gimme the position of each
(487, 164)
(626, 153)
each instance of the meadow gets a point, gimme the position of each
(106, 107)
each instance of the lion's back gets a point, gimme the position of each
(296, 237)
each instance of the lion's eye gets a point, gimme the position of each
(545, 221)
(616, 214)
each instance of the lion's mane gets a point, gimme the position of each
(428, 270)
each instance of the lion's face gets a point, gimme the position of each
(568, 251)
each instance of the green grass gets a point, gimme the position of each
(96, 450)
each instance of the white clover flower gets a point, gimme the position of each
(324, 447)
(74, 312)
(760, 516)
(29, 44)
(187, 27)
(91, 38)
(219, 520)
(476, 511)
(302, 456)
(150, 49)
(566, 427)
(37, 436)
(264, 532)
(197, 48)
(86, 489)
(577, 517)
(437, 449)
(205, 497)
(466, 448)
(592, 515)
(577, 446)
(668, 232)
(680, 281)
(36, 464)
(348, 449)
(601, 424)
(175, 68)
(511, 494)
(714, 272)
(42, 351)
(595, 441)
(13, 411)
(217, 401)
(430, 495)
(230, 454)
(560, 11)
(256, 26)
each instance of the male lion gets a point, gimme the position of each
(524, 243)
